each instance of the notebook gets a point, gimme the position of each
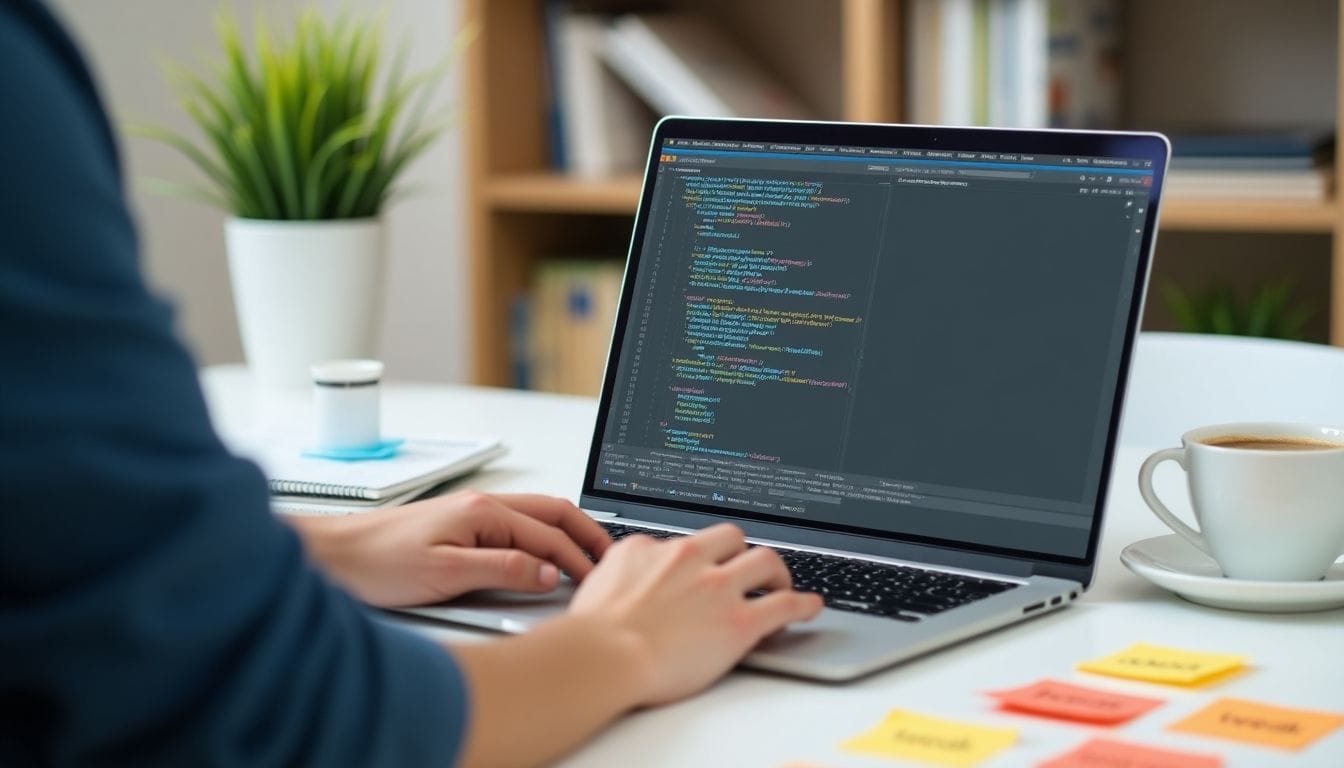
(299, 504)
(419, 464)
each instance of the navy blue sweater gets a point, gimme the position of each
(152, 610)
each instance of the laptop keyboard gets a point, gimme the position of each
(860, 586)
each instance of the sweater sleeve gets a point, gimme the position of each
(152, 609)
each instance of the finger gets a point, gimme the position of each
(772, 612)
(506, 528)
(472, 569)
(719, 542)
(758, 568)
(562, 514)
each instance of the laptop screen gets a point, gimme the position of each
(915, 339)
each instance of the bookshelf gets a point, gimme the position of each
(519, 211)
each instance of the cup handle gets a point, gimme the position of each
(1150, 496)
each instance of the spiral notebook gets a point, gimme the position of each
(419, 464)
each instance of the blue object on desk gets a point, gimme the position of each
(383, 449)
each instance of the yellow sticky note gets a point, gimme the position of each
(1258, 723)
(909, 736)
(1157, 664)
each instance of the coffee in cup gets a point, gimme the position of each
(1268, 497)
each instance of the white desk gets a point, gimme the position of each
(753, 719)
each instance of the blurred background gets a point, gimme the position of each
(503, 265)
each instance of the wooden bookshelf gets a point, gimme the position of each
(520, 211)
(1249, 215)
(547, 192)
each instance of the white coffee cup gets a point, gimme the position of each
(346, 400)
(1268, 497)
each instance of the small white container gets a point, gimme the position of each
(346, 400)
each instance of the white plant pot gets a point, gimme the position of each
(305, 291)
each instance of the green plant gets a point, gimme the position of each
(1269, 313)
(296, 131)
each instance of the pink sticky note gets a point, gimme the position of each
(1104, 753)
(1052, 698)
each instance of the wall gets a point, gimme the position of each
(182, 243)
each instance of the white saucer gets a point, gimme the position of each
(1170, 562)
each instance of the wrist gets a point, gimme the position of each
(326, 540)
(627, 662)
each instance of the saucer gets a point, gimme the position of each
(1170, 562)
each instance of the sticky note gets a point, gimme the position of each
(1257, 723)
(1052, 698)
(1104, 753)
(911, 736)
(1157, 664)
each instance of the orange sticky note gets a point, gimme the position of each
(1257, 723)
(1104, 753)
(1052, 698)
(1158, 664)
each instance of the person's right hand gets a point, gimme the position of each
(683, 605)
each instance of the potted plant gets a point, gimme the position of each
(303, 148)
(1269, 313)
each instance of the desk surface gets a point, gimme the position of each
(753, 719)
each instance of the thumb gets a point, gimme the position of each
(488, 568)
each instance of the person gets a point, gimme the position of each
(154, 612)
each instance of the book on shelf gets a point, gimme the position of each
(1289, 165)
(683, 64)
(570, 319)
(1013, 63)
(599, 127)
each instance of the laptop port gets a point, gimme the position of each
(1073, 595)
(1033, 607)
(1056, 600)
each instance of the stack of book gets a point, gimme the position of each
(611, 77)
(1289, 165)
(1014, 63)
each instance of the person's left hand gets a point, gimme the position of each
(442, 547)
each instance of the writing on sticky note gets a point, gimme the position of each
(1159, 664)
(1052, 698)
(911, 736)
(1104, 753)
(1257, 723)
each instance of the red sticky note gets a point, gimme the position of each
(1052, 698)
(1104, 753)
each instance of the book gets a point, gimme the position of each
(681, 64)
(573, 312)
(978, 62)
(419, 464)
(922, 60)
(1311, 184)
(1285, 143)
(603, 127)
(1084, 64)
(552, 12)
(956, 39)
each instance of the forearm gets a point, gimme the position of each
(536, 696)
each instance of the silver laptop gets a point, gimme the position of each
(895, 354)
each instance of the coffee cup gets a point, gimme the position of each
(347, 403)
(1268, 497)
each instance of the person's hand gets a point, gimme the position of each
(442, 547)
(683, 605)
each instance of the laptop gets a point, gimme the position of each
(895, 354)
